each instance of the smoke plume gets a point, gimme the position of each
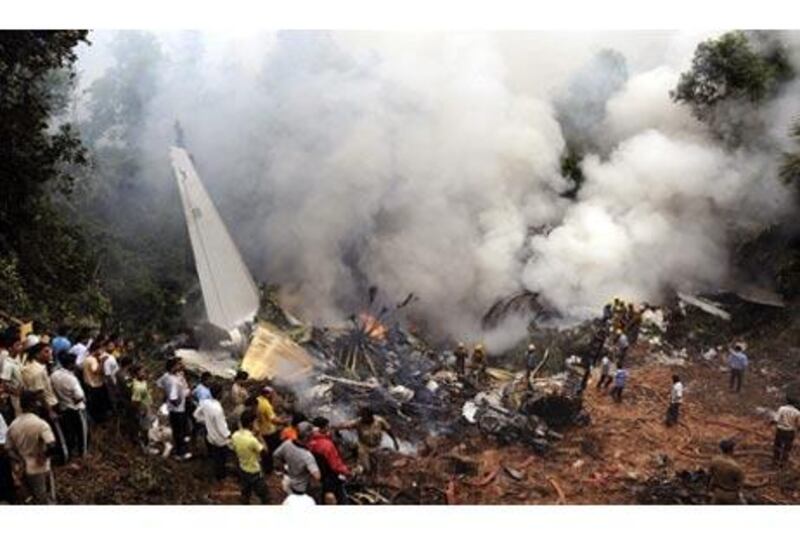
(431, 163)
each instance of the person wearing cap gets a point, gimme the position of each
(333, 469)
(249, 448)
(31, 340)
(787, 422)
(72, 406)
(298, 462)
(176, 390)
(726, 477)
(31, 442)
(737, 363)
(267, 423)
(290, 431)
(60, 343)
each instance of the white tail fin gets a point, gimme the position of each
(229, 292)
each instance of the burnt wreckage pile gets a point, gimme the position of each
(377, 362)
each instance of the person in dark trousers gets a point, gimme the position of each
(97, 400)
(586, 364)
(605, 373)
(737, 362)
(211, 415)
(268, 425)
(332, 468)
(8, 492)
(30, 442)
(530, 363)
(72, 406)
(675, 401)
(460, 354)
(176, 390)
(620, 379)
(621, 344)
(787, 422)
(249, 447)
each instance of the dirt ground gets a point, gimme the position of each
(606, 462)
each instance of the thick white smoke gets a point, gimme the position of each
(423, 163)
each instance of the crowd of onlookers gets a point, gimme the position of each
(55, 391)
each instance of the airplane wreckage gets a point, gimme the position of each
(230, 295)
(252, 332)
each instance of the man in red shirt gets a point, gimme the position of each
(333, 470)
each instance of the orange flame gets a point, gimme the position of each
(373, 327)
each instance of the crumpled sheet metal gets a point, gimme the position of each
(273, 355)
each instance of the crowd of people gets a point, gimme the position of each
(56, 391)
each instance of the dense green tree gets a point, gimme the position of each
(134, 220)
(46, 265)
(730, 75)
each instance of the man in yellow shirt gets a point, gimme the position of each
(249, 449)
(267, 426)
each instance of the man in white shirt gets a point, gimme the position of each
(787, 422)
(176, 390)
(81, 349)
(211, 414)
(605, 373)
(675, 401)
(72, 406)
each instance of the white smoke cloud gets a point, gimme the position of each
(643, 104)
(420, 163)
